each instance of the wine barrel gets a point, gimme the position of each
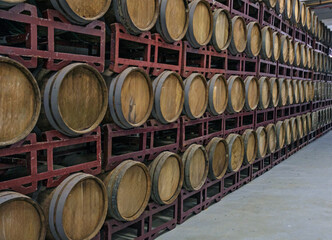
(168, 92)
(239, 36)
(250, 146)
(130, 98)
(272, 137)
(296, 91)
(218, 94)
(196, 167)
(316, 25)
(270, 3)
(306, 91)
(299, 126)
(173, 20)
(236, 94)
(254, 39)
(297, 51)
(314, 120)
(301, 90)
(290, 90)
(303, 15)
(21, 217)
(252, 93)
(200, 23)
(222, 29)
(291, 52)
(262, 142)
(309, 122)
(296, 11)
(20, 101)
(312, 90)
(288, 132)
(319, 34)
(294, 127)
(235, 152)
(304, 125)
(217, 151)
(280, 6)
(308, 19)
(288, 13)
(316, 61)
(309, 57)
(166, 172)
(9, 3)
(284, 50)
(283, 92)
(127, 200)
(276, 46)
(196, 95)
(303, 56)
(76, 209)
(267, 42)
(264, 93)
(274, 92)
(281, 134)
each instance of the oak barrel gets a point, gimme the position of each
(235, 152)
(130, 98)
(262, 142)
(264, 93)
(303, 15)
(283, 91)
(252, 93)
(222, 29)
(196, 95)
(200, 23)
(288, 131)
(9, 3)
(20, 101)
(274, 92)
(127, 199)
(267, 42)
(296, 91)
(76, 209)
(291, 52)
(167, 174)
(280, 6)
(21, 217)
(239, 36)
(303, 56)
(276, 46)
(297, 51)
(294, 127)
(196, 167)
(301, 90)
(254, 39)
(236, 94)
(304, 124)
(284, 49)
(296, 11)
(250, 146)
(217, 150)
(272, 137)
(173, 20)
(168, 92)
(299, 126)
(308, 19)
(290, 91)
(281, 134)
(309, 57)
(306, 90)
(218, 94)
(288, 13)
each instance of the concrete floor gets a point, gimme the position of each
(293, 201)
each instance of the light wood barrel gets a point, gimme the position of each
(166, 172)
(9, 3)
(297, 51)
(303, 56)
(304, 124)
(308, 19)
(272, 137)
(254, 39)
(130, 98)
(284, 50)
(252, 93)
(314, 120)
(294, 127)
(309, 122)
(82, 12)
(217, 151)
(274, 92)
(222, 29)
(250, 146)
(235, 152)
(299, 126)
(303, 15)
(262, 142)
(316, 25)
(267, 42)
(288, 13)
(306, 90)
(283, 91)
(127, 200)
(296, 11)
(20, 101)
(270, 3)
(239, 36)
(196, 167)
(76, 209)
(309, 57)
(21, 217)
(288, 132)
(291, 52)
(168, 91)
(200, 23)
(311, 90)
(280, 6)
(196, 96)
(276, 46)
(218, 94)
(281, 134)
(173, 20)
(301, 90)
(264, 93)
(290, 91)
(236, 94)
(296, 91)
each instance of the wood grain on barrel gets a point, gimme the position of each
(288, 132)
(262, 141)
(250, 145)
(276, 46)
(217, 150)
(264, 93)
(274, 90)
(290, 91)
(239, 39)
(291, 53)
(222, 33)
(176, 16)
(218, 94)
(280, 6)
(141, 12)
(281, 134)
(252, 93)
(284, 49)
(202, 23)
(283, 92)
(236, 94)
(267, 42)
(236, 152)
(87, 10)
(272, 137)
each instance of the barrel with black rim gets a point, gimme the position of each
(218, 94)
(252, 93)
(235, 152)
(274, 92)
(254, 39)
(217, 150)
(281, 134)
(262, 142)
(283, 91)
(284, 49)
(276, 50)
(291, 52)
(272, 137)
(250, 146)
(239, 36)
(222, 29)
(267, 42)
(236, 94)
(264, 93)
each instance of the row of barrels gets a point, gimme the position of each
(176, 19)
(76, 99)
(77, 208)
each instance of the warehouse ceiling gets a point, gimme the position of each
(323, 9)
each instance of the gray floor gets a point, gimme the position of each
(293, 201)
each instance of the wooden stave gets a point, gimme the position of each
(261, 82)
(266, 53)
(210, 149)
(231, 138)
(247, 82)
(301, 90)
(232, 47)
(296, 91)
(274, 82)
(245, 137)
(230, 30)
(211, 84)
(258, 131)
(230, 82)
(248, 49)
